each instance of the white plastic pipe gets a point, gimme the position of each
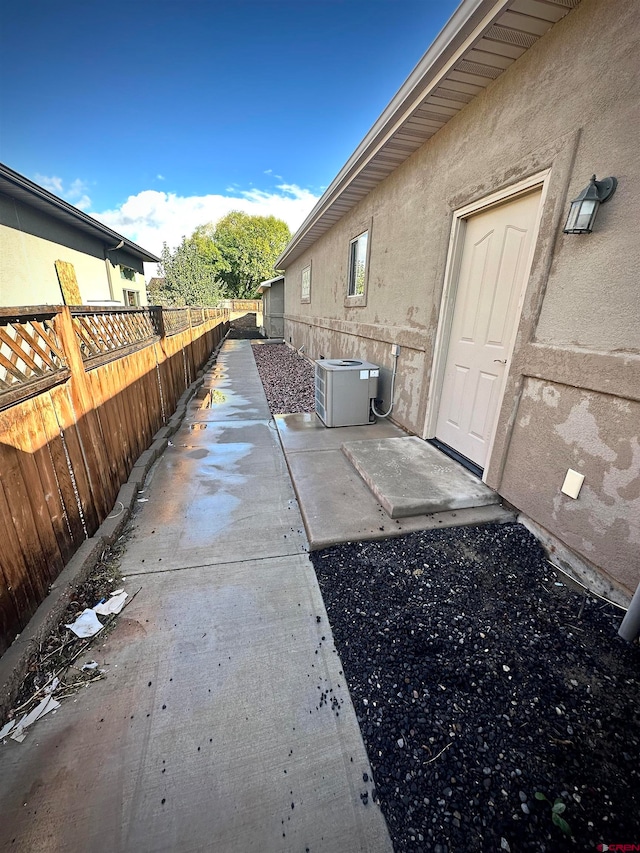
(391, 393)
(630, 627)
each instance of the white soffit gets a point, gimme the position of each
(482, 39)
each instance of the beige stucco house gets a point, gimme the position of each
(444, 234)
(51, 253)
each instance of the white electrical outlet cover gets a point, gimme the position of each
(572, 483)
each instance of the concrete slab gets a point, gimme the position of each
(225, 395)
(216, 727)
(410, 477)
(306, 432)
(222, 493)
(337, 506)
(200, 738)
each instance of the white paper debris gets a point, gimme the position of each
(47, 704)
(89, 665)
(86, 625)
(51, 687)
(142, 500)
(4, 731)
(113, 605)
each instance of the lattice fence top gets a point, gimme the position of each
(197, 316)
(98, 333)
(216, 313)
(29, 350)
(175, 320)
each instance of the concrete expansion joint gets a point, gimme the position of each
(285, 555)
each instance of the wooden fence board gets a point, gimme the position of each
(112, 427)
(51, 433)
(72, 447)
(38, 471)
(18, 597)
(68, 440)
(32, 546)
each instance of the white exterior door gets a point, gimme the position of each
(494, 268)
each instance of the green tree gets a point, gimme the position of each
(189, 276)
(243, 249)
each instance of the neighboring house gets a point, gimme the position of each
(51, 253)
(272, 306)
(444, 233)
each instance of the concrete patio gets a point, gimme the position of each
(339, 504)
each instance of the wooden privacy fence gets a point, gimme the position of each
(242, 306)
(82, 392)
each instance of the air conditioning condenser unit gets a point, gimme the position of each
(345, 388)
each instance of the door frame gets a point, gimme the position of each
(450, 289)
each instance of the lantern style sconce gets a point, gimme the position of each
(584, 208)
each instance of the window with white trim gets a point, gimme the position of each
(358, 265)
(131, 298)
(305, 285)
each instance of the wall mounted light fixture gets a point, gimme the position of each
(584, 208)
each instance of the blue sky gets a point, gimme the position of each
(158, 116)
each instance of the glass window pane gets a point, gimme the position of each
(358, 265)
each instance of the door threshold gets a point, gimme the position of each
(458, 457)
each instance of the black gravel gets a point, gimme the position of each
(288, 378)
(479, 681)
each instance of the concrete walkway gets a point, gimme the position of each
(224, 723)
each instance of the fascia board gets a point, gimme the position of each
(89, 223)
(466, 24)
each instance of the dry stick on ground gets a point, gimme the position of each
(438, 755)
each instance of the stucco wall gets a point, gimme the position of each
(31, 242)
(273, 310)
(560, 427)
(28, 274)
(557, 109)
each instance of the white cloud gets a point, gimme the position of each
(160, 178)
(152, 217)
(75, 193)
(53, 183)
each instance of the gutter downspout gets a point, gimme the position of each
(107, 263)
(630, 627)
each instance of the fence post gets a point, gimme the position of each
(96, 465)
(157, 318)
(71, 349)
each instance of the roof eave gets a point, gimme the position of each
(461, 24)
(265, 285)
(88, 222)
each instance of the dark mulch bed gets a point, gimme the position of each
(244, 328)
(479, 681)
